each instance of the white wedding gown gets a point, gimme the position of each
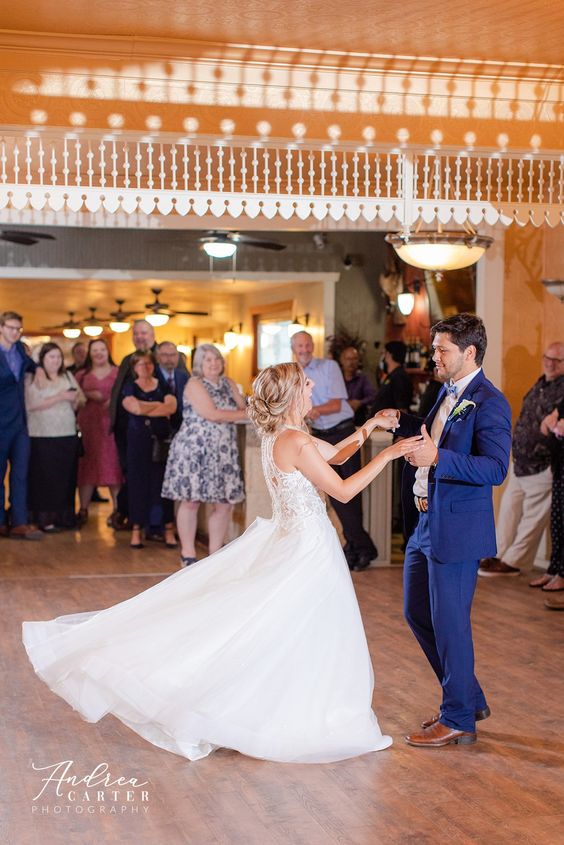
(259, 647)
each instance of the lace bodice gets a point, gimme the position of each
(294, 498)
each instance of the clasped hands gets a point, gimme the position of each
(425, 455)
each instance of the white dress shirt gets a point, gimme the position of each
(421, 487)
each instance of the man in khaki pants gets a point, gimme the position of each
(525, 505)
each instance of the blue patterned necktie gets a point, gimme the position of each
(452, 390)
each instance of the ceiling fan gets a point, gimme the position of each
(159, 312)
(71, 327)
(224, 244)
(14, 236)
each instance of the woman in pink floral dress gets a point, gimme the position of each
(99, 466)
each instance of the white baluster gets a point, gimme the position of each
(66, 170)
(277, 168)
(355, 174)
(345, 172)
(479, 179)
(102, 150)
(209, 171)
(173, 167)
(126, 166)
(28, 174)
(289, 171)
(53, 164)
(255, 177)
(41, 168)
(16, 167)
(243, 170)
(266, 170)
(185, 166)
(322, 166)
(162, 171)
(150, 165)
(366, 174)
(377, 175)
(114, 158)
(197, 169)
(138, 173)
(220, 168)
(232, 163)
(333, 172)
(3, 161)
(77, 162)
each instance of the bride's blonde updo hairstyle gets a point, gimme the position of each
(277, 395)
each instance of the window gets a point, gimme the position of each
(273, 342)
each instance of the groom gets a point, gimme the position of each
(467, 442)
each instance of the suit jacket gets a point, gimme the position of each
(12, 401)
(474, 452)
(181, 377)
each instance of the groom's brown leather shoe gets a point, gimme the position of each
(438, 735)
(480, 714)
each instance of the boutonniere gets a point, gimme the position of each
(461, 410)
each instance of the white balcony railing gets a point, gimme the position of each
(251, 177)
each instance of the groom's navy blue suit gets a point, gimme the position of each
(443, 553)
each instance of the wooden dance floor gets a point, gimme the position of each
(507, 788)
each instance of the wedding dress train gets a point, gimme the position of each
(259, 647)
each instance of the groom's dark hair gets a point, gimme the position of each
(465, 330)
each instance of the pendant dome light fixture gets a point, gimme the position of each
(440, 250)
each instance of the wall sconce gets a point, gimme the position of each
(406, 299)
(296, 326)
(232, 337)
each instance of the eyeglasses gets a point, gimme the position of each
(18, 329)
(552, 360)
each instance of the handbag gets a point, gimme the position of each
(160, 449)
(159, 445)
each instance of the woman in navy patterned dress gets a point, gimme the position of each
(203, 462)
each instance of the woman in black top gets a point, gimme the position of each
(149, 406)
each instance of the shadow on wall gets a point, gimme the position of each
(257, 92)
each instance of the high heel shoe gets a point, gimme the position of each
(82, 517)
(137, 545)
(187, 561)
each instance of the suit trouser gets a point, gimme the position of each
(437, 604)
(523, 516)
(14, 447)
(349, 513)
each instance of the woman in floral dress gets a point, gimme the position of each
(203, 462)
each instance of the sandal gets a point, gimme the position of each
(540, 581)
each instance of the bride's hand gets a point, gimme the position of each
(405, 447)
(387, 419)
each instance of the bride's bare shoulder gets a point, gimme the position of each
(288, 446)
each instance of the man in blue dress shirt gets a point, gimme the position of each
(173, 375)
(332, 420)
(14, 438)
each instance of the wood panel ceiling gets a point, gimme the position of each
(493, 30)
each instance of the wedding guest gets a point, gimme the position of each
(149, 406)
(203, 463)
(175, 374)
(360, 390)
(14, 437)
(54, 443)
(143, 339)
(525, 505)
(396, 390)
(332, 420)
(78, 352)
(552, 427)
(99, 465)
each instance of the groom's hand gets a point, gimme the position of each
(426, 455)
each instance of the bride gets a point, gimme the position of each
(259, 647)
